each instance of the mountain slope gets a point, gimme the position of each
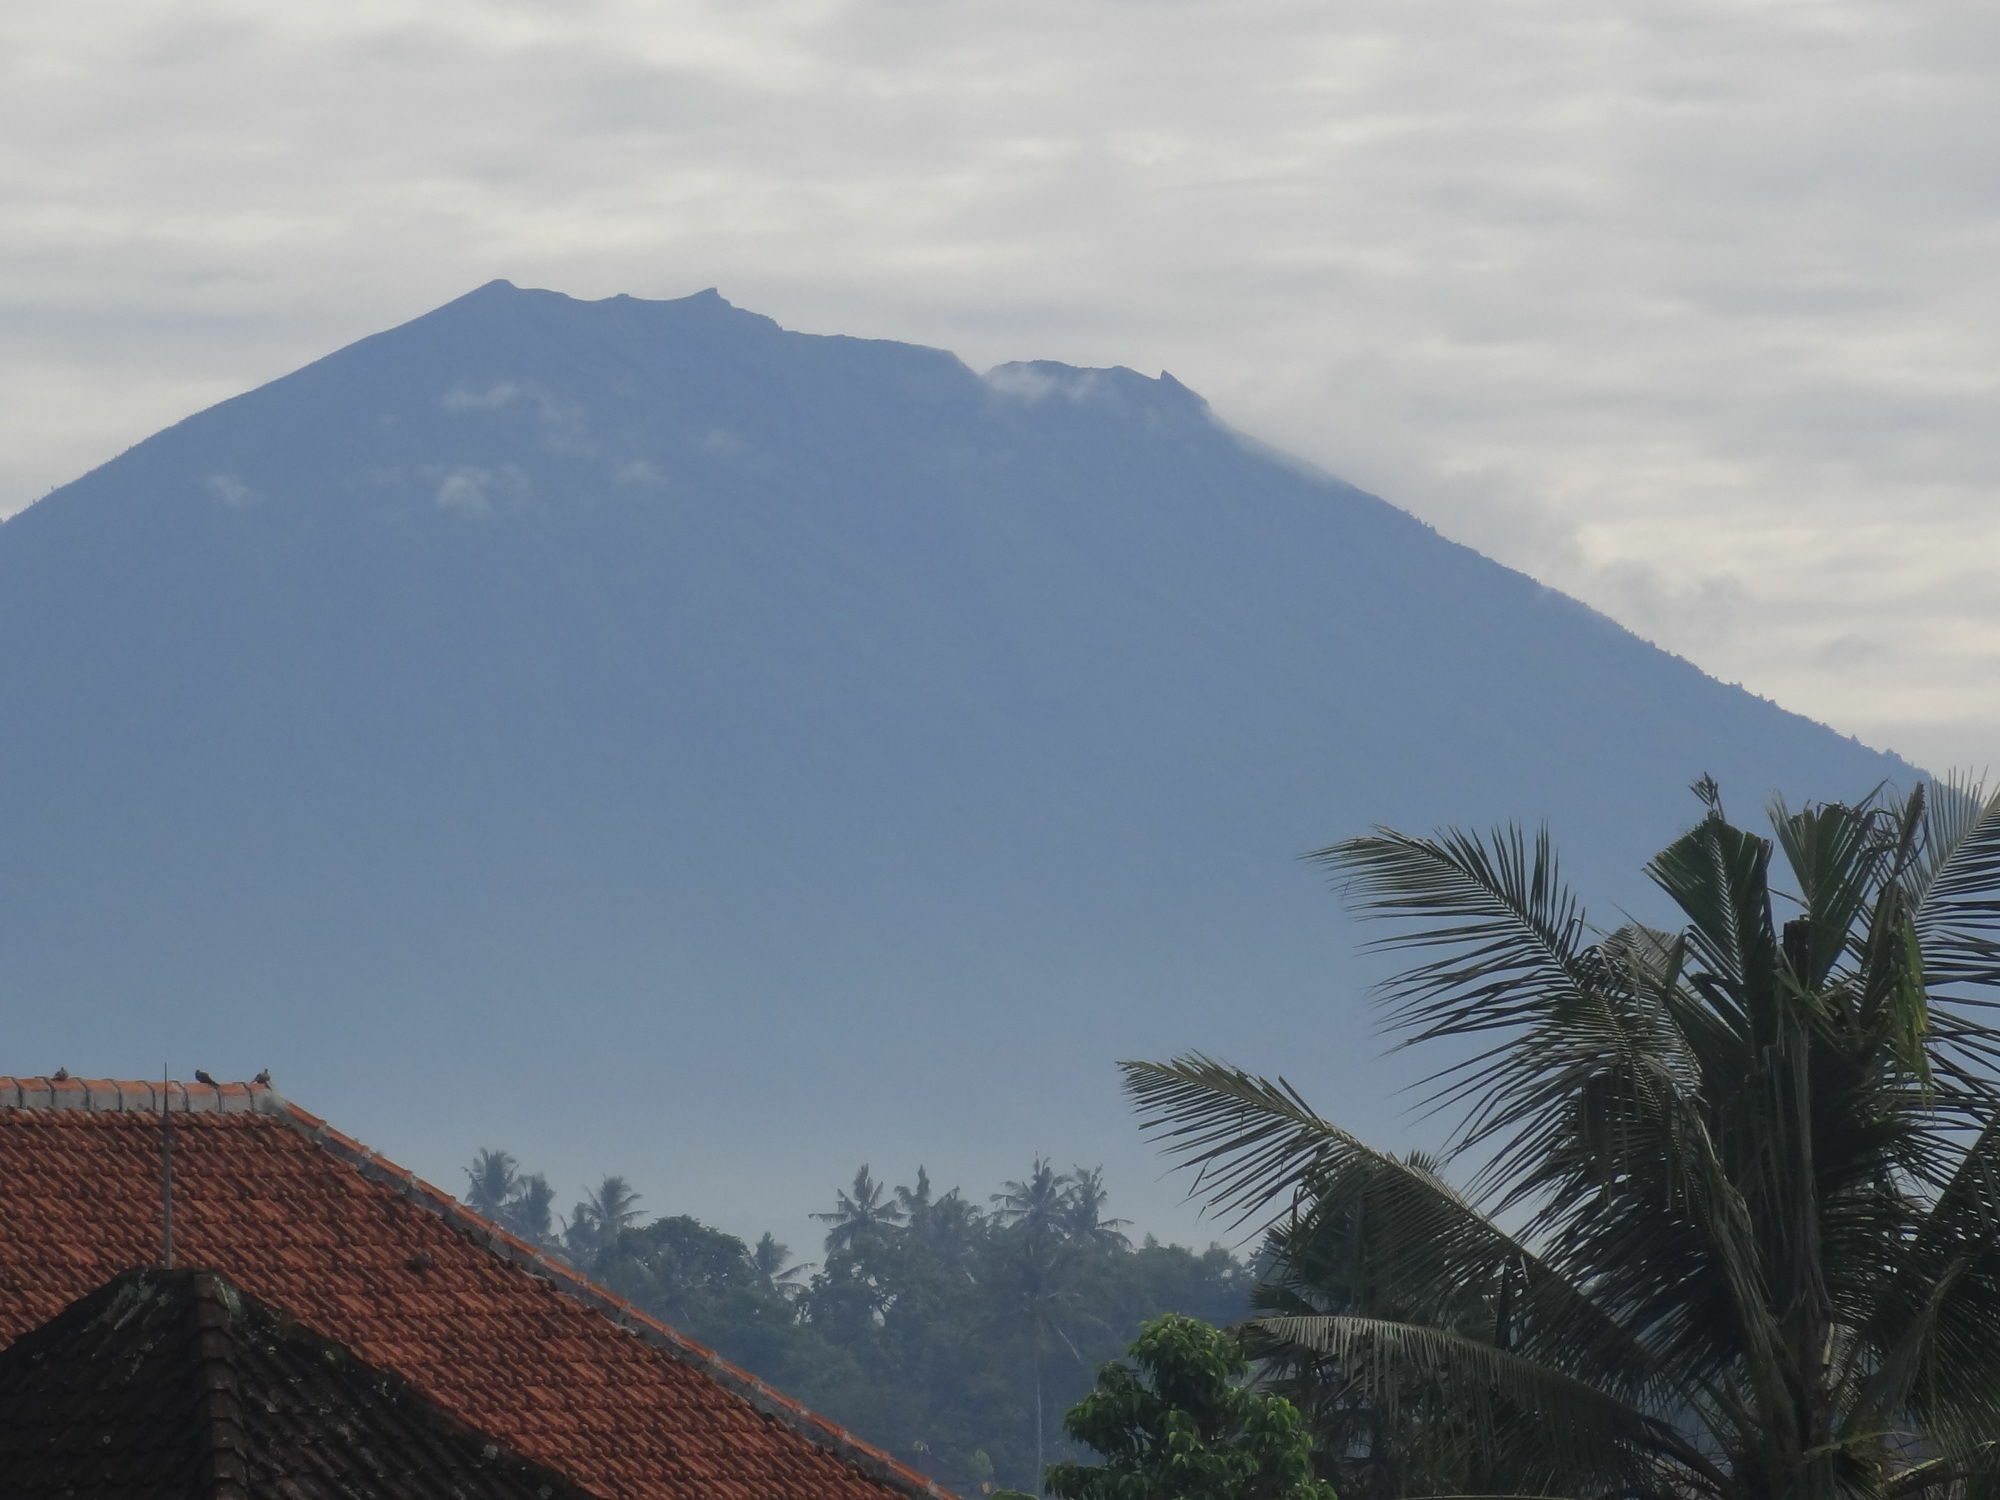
(667, 743)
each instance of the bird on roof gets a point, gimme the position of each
(60, 1074)
(263, 1077)
(201, 1077)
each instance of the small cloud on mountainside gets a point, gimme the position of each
(230, 490)
(473, 490)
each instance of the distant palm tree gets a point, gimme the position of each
(1037, 1204)
(915, 1202)
(771, 1263)
(1032, 1212)
(1735, 1234)
(945, 1227)
(531, 1211)
(595, 1224)
(1082, 1218)
(864, 1214)
(494, 1177)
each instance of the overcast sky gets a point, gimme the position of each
(1692, 310)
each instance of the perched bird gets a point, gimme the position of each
(201, 1077)
(60, 1074)
(263, 1077)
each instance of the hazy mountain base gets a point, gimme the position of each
(772, 749)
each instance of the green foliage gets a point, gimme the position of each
(1735, 1228)
(944, 1333)
(1176, 1424)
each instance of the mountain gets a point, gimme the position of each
(656, 741)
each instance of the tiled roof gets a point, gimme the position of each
(175, 1385)
(362, 1252)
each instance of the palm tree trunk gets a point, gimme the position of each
(1038, 1407)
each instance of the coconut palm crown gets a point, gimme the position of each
(1733, 1224)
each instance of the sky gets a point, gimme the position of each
(1689, 309)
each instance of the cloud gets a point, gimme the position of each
(639, 474)
(496, 397)
(562, 423)
(464, 490)
(721, 442)
(230, 490)
(1689, 308)
(472, 490)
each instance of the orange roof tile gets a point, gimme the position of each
(363, 1252)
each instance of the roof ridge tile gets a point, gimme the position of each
(136, 1095)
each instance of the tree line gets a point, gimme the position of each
(949, 1330)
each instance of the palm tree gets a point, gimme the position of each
(1036, 1204)
(493, 1177)
(1032, 1211)
(772, 1265)
(531, 1211)
(595, 1224)
(1082, 1217)
(862, 1215)
(1735, 1231)
(915, 1202)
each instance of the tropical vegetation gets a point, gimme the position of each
(951, 1332)
(1177, 1421)
(1719, 1218)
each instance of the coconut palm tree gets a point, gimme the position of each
(531, 1210)
(1031, 1213)
(492, 1180)
(1082, 1217)
(1035, 1205)
(864, 1214)
(595, 1224)
(1733, 1225)
(773, 1268)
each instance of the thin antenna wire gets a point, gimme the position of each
(166, 1171)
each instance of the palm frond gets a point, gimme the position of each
(1838, 856)
(1519, 1412)
(1515, 931)
(1954, 888)
(1718, 876)
(1518, 960)
(1250, 1140)
(1933, 1342)
(1259, 1149)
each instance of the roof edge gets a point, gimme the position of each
(767, 1400)
(102, 1095)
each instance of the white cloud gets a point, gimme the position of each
(464, 490)
(474, 490)
(1021, 382)
(1689, 308)
(562, 422)
(230, 490)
